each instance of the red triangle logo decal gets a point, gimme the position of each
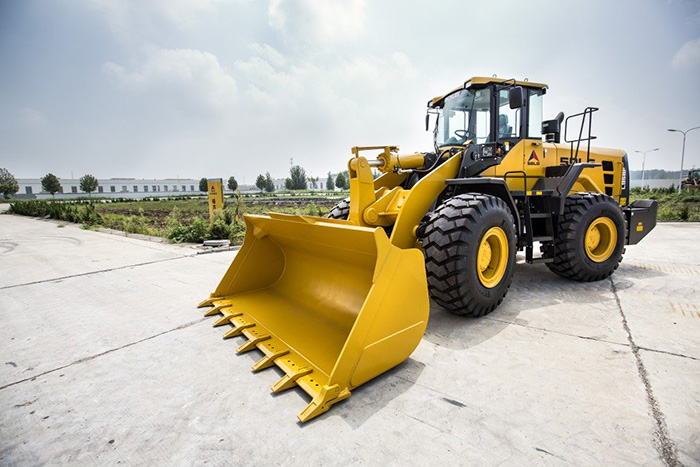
(533, 160)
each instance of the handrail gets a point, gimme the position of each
(518, 172)
(589, 113)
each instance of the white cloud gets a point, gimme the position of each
(192, 77)
(688, 56)
(323, 105)
(327, 87)
(321, 23)
(131, 19)
(32, 118)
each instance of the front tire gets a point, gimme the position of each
(469, 245)
(591, 238)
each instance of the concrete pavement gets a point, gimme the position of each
(105, 360)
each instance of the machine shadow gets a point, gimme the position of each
(374, 395)
(534, 288)
(365, 400)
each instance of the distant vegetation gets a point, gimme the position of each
(296, 179)
(672, 206)
(8, 183)
(183, 219)
(655, 174)
(51, 184)
(88, 183)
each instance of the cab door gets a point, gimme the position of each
(520, 132)
(508, 128)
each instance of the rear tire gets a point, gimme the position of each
(340, 210)
(594, 218)
(465, 276)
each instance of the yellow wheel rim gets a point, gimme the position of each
(492, 258)
(600, 240)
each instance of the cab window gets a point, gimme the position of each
(509, 120)
(534, 119)
(466, 115)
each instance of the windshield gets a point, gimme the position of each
(466, 114)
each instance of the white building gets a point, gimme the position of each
(114, 187)
(311, 185)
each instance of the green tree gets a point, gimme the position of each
(340, 181)
(203, 185)
(288, 184)
(51, 184)
(269, 183)
(8, 183)
(232, 184)
(330, 184)
(260, 182)
(88, 184)
(298, 176)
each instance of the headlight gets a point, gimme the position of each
(487, 151)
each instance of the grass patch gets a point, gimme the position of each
(182, 219)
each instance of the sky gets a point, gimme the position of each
(214, 88)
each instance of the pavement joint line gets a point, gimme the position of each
(72, 276)
(663, 442)
(647, 349)
(590, 338)
(669, 353)
(92, 357)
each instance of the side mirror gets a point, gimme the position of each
(516, 97)
(427, 121)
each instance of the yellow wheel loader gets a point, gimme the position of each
(334, 302)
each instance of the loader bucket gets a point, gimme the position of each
(331, 304)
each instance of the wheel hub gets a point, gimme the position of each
(484, 256)
(492, 257)
(600, 239)
(593, 238)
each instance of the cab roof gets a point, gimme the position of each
(483, 80)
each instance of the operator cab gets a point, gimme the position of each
(488, 111)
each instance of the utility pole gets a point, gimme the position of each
(644, 159)
(680, 177)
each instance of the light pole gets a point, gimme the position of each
(644, 159)
(680, 178)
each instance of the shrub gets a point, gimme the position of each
(196, 232)
(219, 230)
(313, 210)
(76, 211)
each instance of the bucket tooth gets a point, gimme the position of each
(226, 319)
(328, 396)
(207, 302)
(251, 344)
(290, 379)
(215, 310)
(237, 330)
(268, 360)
